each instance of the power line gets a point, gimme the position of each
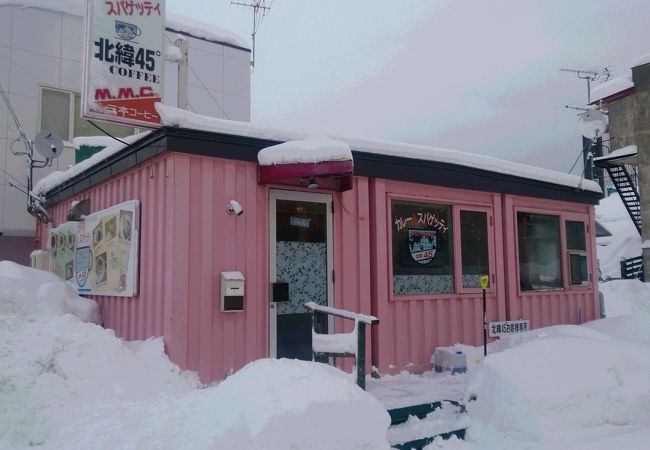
(202, 84)
(13, 178)
(106, 132)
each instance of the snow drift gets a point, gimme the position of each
(561, 386)
(270, 404)
(67, 383)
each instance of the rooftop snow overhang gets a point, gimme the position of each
(366, 164)
(315, 162)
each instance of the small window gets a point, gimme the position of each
(540, 266)
(61, 112)
(577, 249)
(474, 247)
(423, 257)
(575, 235)
(55, 112)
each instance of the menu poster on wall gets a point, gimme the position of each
(124, 61)
(63, 242)
(101, 252)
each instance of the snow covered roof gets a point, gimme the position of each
(641, 60)
(611, 87)
(312, 149)
(172, 116)
(203, 30)
(175, 117)
(174, 22)
(111, 146)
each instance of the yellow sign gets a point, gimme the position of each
(484, 280)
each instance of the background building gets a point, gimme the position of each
(41, 54)
(627, 101)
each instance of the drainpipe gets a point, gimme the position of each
(181, 99)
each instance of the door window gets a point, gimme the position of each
(301, 261)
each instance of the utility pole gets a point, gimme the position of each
(260, 10)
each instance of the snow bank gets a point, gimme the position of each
(270, 404)
(625, 241)
(39, 296)
(561, 387)
(54, 367)
(626, 297)
(312, 149)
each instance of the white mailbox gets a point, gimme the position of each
(232, 291)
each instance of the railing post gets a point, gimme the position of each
(361, 355)
(317, 326)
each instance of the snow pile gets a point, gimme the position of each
(36, 295)
(562, 386)
(312, 149)
(111, 147)
(177, 117)
(55, 366)
(66, 383)
(626, 297)
(625, 241)
(270, 404)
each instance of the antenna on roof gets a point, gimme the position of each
(590, 75)
(260, 10)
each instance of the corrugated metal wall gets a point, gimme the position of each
(553, 307)
(188, 239)
(150, 313)
(411, 328)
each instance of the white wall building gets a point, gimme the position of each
(41, 54)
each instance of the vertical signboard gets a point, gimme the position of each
(124, 61)
(99, 255)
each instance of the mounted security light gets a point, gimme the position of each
(235, 208)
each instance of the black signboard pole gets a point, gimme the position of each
(484, 280)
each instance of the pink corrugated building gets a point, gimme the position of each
(399, 232)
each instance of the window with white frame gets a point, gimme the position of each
(61, 112)
(576, 244)
(540, 264)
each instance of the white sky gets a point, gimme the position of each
(480, 76)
